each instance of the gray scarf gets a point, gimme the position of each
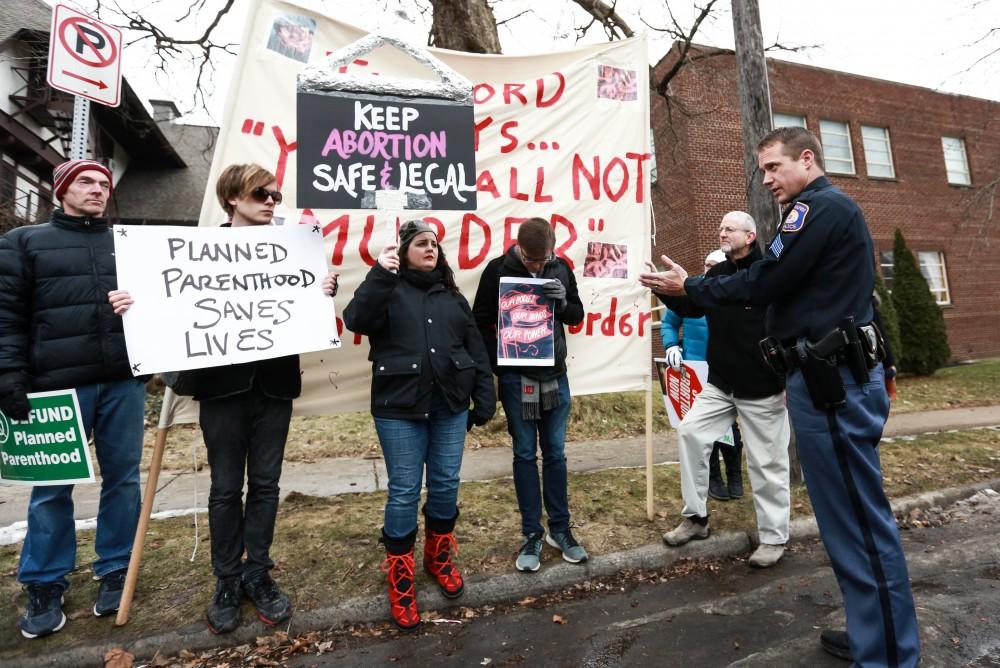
(538, 396)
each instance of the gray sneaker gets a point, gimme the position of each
(686, 531)
(766, 555)
(571, 550)
(529, 556)
(44, 614)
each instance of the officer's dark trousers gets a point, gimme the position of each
(839, 454)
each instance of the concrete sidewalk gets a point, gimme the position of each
(179, 490)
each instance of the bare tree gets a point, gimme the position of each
(464, 25)
(187, 34)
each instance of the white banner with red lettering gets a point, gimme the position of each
(563, 136)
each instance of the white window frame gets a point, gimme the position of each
(885, 264)
(830, 163)
(932, 266)
(781, 120)
(956, 165)
(868, 142)
(931, 263)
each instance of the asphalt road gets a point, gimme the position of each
(720, 613)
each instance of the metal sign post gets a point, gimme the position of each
(81, 123)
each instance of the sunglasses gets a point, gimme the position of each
(261, 194)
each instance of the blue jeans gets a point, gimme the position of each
(409, 446)
(113, 414)
(527, 435)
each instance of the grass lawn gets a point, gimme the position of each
(599, 416)
(326, 549)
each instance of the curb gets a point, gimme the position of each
(483, 590)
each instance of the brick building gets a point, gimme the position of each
(925, 162)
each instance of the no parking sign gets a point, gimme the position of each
(85, 56)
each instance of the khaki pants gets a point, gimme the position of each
(764, 425)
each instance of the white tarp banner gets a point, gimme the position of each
(563, 136)
(211, 296)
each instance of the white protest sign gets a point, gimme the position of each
(680, 389)
(212, 296)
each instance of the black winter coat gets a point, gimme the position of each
(57, 329)
(421, 338)
(735, 363)
(278, 378)
(486, 305)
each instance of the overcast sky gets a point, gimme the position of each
(923, 42)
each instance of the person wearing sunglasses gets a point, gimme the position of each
(245, 410)
(428, 364)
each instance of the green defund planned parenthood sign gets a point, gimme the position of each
(49, 448)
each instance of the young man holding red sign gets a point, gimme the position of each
(536, 399)
(740, 384)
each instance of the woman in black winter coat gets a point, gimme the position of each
(428, 363)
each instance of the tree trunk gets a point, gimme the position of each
(464, 25)
(755, 112)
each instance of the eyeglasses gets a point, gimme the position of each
(534, 260)
(729, 229)
(261, 194)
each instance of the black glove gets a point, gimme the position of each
(475, 420)
(555, 291)
(15, 404)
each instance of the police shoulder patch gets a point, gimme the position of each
(796, 218)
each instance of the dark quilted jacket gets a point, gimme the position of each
(57, 330)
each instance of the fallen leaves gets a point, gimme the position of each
(117, 657)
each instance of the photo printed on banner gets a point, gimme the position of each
(616, 83)
(292, 36)
(606, 260)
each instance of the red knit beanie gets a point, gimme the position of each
(64, 174)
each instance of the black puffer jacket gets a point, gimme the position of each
(486, 304)
(735, 363)
(57, 329)
(421, 338)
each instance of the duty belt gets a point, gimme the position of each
(860, 348)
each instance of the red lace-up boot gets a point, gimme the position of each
(399, 569)
(439, 548)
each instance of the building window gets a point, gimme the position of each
(788, 120)
(932, 267)
(955, 161)
(837, 154)
(878, 152)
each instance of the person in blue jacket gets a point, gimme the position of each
(694, 346)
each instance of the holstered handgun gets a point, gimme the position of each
(854, 353)
(820, 372)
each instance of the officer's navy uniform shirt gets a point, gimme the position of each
(819, 269)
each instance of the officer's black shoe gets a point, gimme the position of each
(835, 643)
(109, 594)
(224, 614)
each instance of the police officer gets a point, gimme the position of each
(819, 273)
